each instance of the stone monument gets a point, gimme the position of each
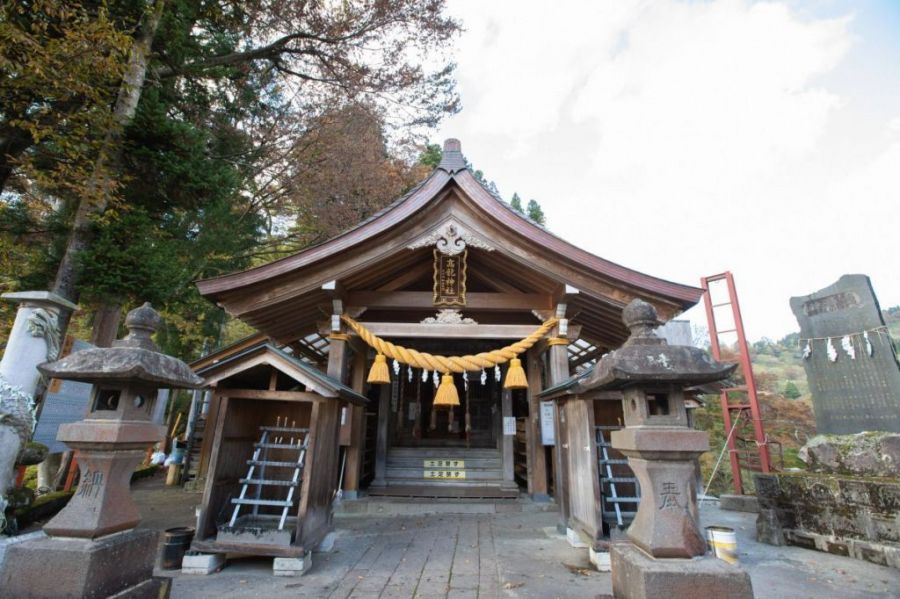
(34, 338)
(666, 553)
(91, 546)
(849, 358)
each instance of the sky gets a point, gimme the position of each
(684, 139)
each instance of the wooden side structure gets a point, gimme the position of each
(383, 274)
(265, 386)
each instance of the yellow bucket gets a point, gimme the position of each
(723, 543)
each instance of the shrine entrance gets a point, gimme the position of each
(475, 423)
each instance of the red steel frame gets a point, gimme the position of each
(736, 411)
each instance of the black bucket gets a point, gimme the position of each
(175, 542)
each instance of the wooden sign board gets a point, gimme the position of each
(449, 279)
(446, 474)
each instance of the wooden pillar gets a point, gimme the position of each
(356, 450)
(537, 456)
(381, 443)
(338, 366)
(559, 372)
(338, 359)
(507, 444)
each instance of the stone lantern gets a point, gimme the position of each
(111, 441)
(661, 450)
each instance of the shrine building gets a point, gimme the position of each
(406, 357)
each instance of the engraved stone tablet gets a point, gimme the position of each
(851, 366)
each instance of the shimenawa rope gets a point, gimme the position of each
(448, 364)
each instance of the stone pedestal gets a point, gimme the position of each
(109, 452)
(636, 575)
(662, 458)
(55, 568)
(102, 504)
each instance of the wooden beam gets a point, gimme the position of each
(537, 461)
(492, 282)
(410, 276)
(450, 331)
(558, 363)
(381, 440)
(276, 395)
(405, 300)
(356, 450)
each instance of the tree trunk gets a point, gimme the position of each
(100, 184)
(106, 324)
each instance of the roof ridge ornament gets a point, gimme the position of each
(452, 159)
(450, 238)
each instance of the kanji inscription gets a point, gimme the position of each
(450, 279)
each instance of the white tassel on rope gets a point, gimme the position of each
(832, 352)
(466, 381)
(497, 375)
(409, 373)
(435, 379)
(807, 350)
(847, 344)
(483, 377)
(396, 366)
(424, 376)
(869, 349)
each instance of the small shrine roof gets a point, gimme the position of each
(297, 369)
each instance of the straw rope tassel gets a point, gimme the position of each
(379, 373)
(447, 396)
(515, 375)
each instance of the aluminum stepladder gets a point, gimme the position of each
(610, 484)
(261, 459)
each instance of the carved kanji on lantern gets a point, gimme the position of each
(449, 279)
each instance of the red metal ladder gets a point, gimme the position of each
(746, 406)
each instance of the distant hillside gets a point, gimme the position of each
(784, 399)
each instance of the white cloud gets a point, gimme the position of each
(685, 138)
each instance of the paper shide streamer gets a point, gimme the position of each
(847, 344)
(832, 352)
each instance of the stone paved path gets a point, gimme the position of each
(428, 557)
(486, 555)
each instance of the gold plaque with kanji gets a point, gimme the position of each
(450, 279)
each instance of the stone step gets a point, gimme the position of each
(459, 453)
(450, 491)
(437, 482)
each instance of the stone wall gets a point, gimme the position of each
(835, 508)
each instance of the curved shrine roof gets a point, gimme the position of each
(451, 192)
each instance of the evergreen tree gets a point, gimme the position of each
(535, 213)
(791, 391)
(431, 156)
(516, 203)
(198, 159)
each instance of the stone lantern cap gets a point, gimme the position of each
(647, 359)
(134, 359)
